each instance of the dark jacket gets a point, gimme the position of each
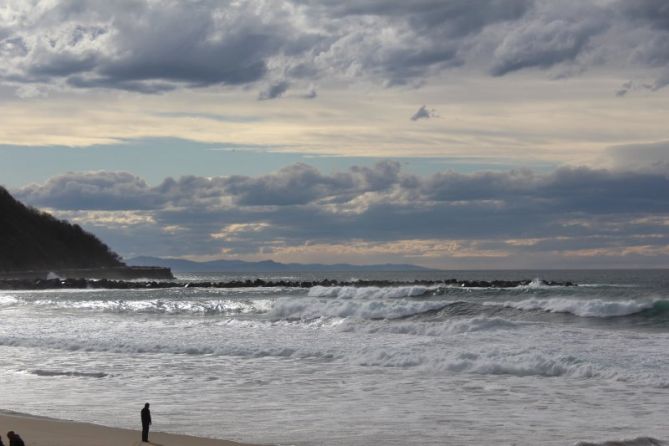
(146, 416)
(15, 440)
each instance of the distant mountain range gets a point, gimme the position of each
(240, 266)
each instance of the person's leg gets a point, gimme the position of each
(145, 434)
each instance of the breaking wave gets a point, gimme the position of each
(166, 306)
(350, 292)
(194, 349)
(639, 441)
(309, 309)
(7, 300)
(483, 363)
(589, 308)
(437, 329)
(487, 363)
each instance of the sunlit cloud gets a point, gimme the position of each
(238, 231)
(110, 219)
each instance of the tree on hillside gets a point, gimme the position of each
(34, 240)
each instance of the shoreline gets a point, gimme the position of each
(44, 431)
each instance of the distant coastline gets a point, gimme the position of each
(240, 266)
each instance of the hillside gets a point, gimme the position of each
(34, 240)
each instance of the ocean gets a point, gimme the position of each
(397, 365)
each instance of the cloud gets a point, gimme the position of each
(624, 89)
(423, 113)
(143, 46)
(92, 190)
(311, 93)
(652, 157)
(273, 91)
(162, 45)
(492, 213)
(549, 37)
(653, 12)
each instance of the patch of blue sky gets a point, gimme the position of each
(155, 159)
(211, 116)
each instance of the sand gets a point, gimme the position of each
(39, 431)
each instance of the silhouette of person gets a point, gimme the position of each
(146, 422)
(14, 439)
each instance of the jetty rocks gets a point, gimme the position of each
(46, 284)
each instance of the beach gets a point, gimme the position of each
(41, 431)
(343, 365)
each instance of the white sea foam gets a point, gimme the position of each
(484, 363)
(580, 307)
(173, 348)
(163, 306)
(6, 300)
(435, 329)
(535, 283)
(306, 308)
(529, 365)
(291, 308)
(349, 292)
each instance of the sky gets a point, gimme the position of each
(453, 134)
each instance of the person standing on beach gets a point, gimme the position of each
(14, 439)
(146, 422)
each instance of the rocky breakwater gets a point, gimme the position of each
(45, 284)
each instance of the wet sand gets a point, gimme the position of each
(40, 431)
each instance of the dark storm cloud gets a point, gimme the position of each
(299, 184)
(432, 34)
(650, 19)
(655, 12)
(157, 46)
(379, 204)
(571, 190)
(454, 17)
(125, 45)
(548, 37)
(93, 190)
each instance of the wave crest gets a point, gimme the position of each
(309, 309)
(351, 292)
(159, 306)
(585, 308)
(639, 441)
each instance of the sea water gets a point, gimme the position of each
(397, 365)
